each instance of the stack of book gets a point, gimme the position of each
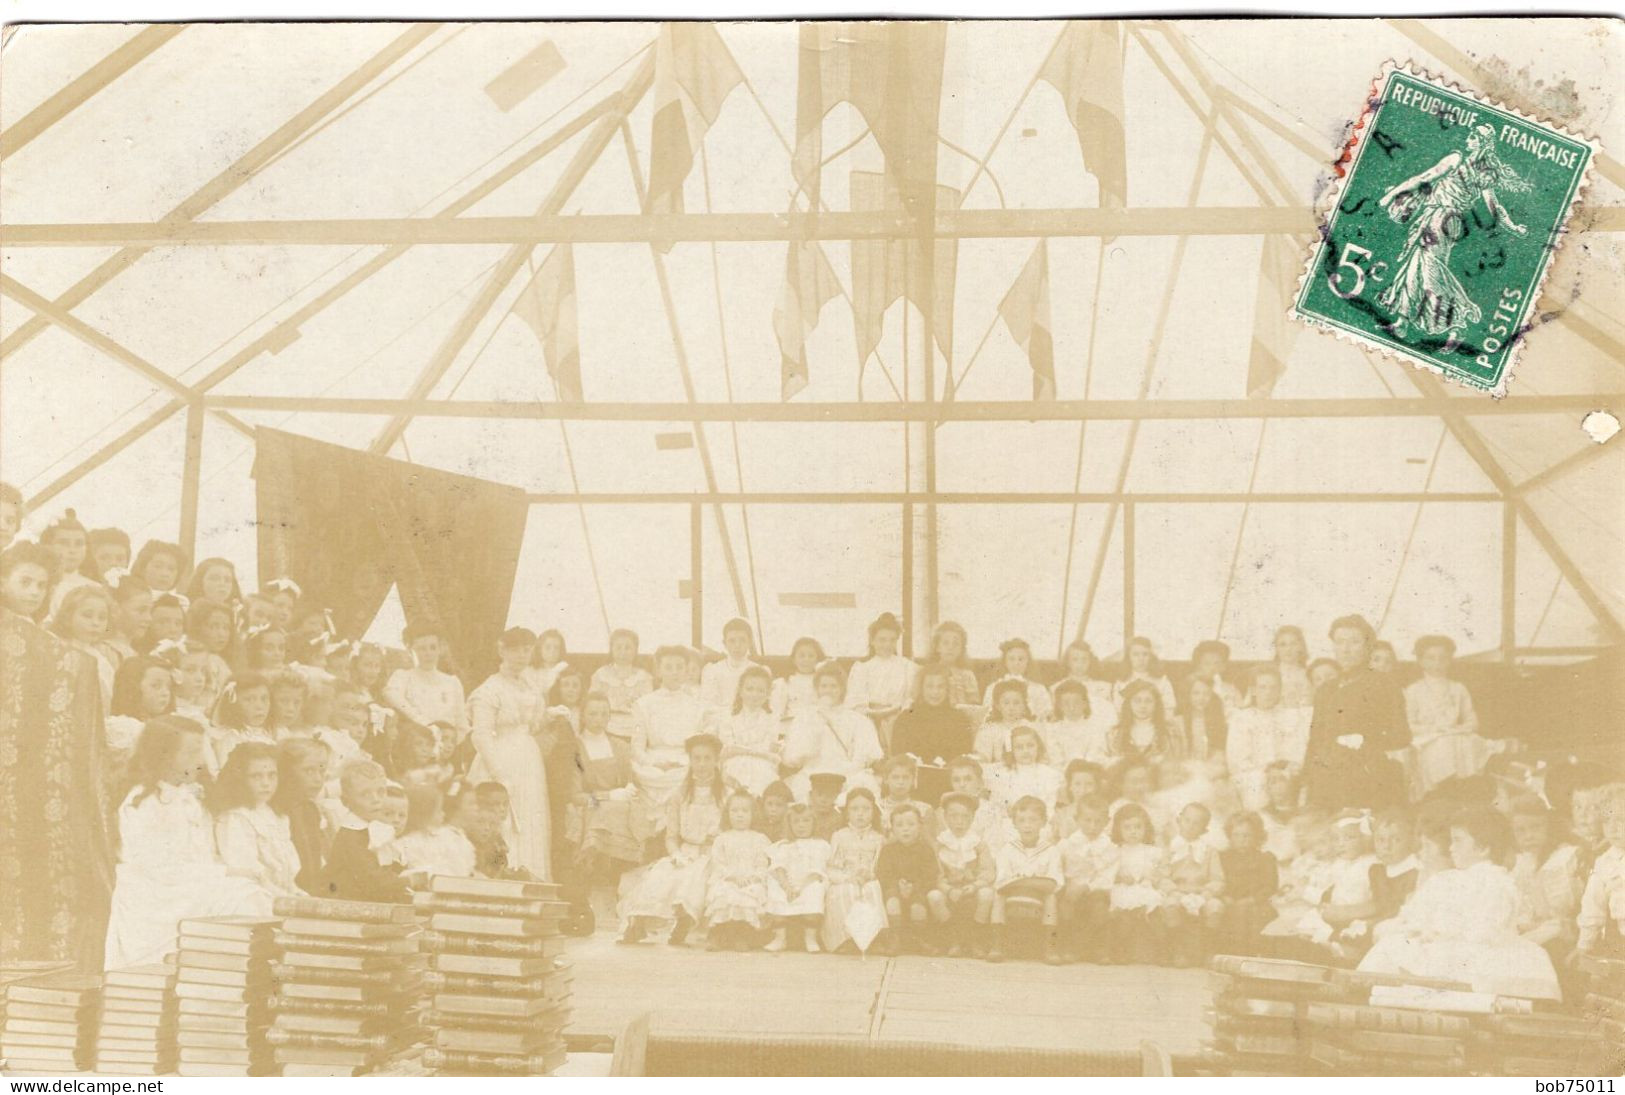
(224, 985)
(347, 984)
(1373, 1040)
(137, 1035)
(50, 1023)
(1257, 1015)
(501, 993)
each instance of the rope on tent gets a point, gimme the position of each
(733, 427)
(1077, 471)
(1241, 527)
(1410, 537)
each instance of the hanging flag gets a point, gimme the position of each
(1087, 69)
(548, 305)
(891, 72)
(809, 284)
(1274, 331)
(694, 74)
(1025, 310)
(883, 271)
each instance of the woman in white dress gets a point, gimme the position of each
(1462, 924)
(168, 869)
(506, 712)
(831, 737)
(423, 693)
(255, 841)
(882, 684)
(663, 722)
(624, 681)
(1444, 726)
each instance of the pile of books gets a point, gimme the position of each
(223, 981)
(137, 1035)
(1257, 1014)
(348, 978)
(1374, 1040)
(50, 1023)
(501, 992)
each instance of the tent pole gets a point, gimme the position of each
(1509, 581)
(696, 571)
(190, 477)
(1128, 577)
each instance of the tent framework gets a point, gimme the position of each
(1232, 125)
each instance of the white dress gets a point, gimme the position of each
(1256, 739)
(427, 696)
(441, 851)
(806, 864)
(1463, 926)
(1444, 732)
(792, 694)
(1086, 739)
(1296, 691)
(736, 878)
(1133, 878)
(663, 721)
(504, 712)
(881, 682)
(719, 683)
(831, 739)
(624, 686)
(757, 731)
(168, 871)
(255, 842)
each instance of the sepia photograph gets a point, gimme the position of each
(839, 547)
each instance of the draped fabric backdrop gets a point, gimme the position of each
(55, 852)
(347, 525)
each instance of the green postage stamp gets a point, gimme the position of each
(1436, 238)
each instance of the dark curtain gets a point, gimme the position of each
(55, 852)
(347, 525)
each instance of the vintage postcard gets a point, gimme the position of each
(836, 548)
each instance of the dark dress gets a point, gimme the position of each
(1389, 892)
(916, 862)
(1361, 702)
(305, 827)
(931, 732)
(354, 873)
(1250, 880)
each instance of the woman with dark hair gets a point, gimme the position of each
(161, 565)
(168, 870)
(1462, 924)
(933, 729)
(1359, 719)
(255, 840)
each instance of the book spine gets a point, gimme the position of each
(331, 908)
(521, 909)
(435, 942)
(446, 1059)
(347, 1008)
(296, 1039)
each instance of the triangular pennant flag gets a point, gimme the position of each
(1274, 331)
(548, 305)
(1025, 310)
(809, 284)
(694, 74)
(1087, 69)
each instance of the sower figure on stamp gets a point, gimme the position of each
(1436, 203)
(1359, 719)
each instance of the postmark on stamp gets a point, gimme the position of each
(1436, 239)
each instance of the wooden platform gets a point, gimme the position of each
(1016, 1005)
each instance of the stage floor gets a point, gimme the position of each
(1022, 1005)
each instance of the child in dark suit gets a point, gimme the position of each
(353, 870)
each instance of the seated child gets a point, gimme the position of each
(497, 806)
(1190, 881)
(255, 841)
(965, 778)
(1023, 774)
(354, 871)
(967, 876)
(1281, 806)
(428, 846)
(796, 879)
(897, 780)
(1132, 879)
(1082, 779)
(910, 881)
(675, 885)
(1305, 880)
(241, 714)
(773, 816)
(1394, 874)
(1027, 866)
(1251, 879)
(1088, 858)
(751, 735)
(301, 777)
(1547, 871)
(167, 866)
(853, 853)
(1346, 910)
(736, 878)
(823, 792)
(1602, 907)
(465, 814)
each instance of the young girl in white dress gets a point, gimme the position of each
(255, 841)
(1008, 708)
(1015, 660)
(1462, 924)
(168, 869)
(429, 846)
(831, 737)
(882, 684)
(505, 713)
(1291, 663)
(1143, 665)
(796, 692)
(1131, 881)
(853, 852)
(69, 541)
(664, 721)
(1081, 727)
(1023, 774)
(624, 681)
(1444, 726)
(719, 680)
(797, 876)
(1342, 919)
(675, 885)
(736, 878)
(750, 734)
